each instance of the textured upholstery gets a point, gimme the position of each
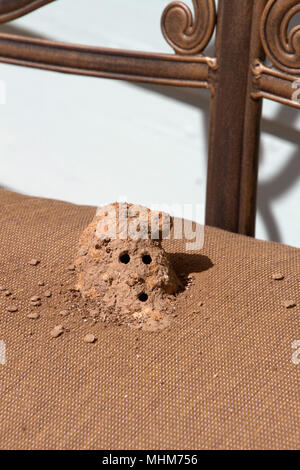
(221, 376)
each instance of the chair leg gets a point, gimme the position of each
(235, 119)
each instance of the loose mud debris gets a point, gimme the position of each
(289, 304)
(12, 309)
(57, 331)
(33, 316)
(64, 313)
(89, 338)
(113, 281)
(34, 262)
(277, 277)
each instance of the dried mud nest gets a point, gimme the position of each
(123, 271)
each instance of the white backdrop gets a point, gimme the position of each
(93, 141)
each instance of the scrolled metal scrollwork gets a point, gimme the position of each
(187, 34)
(281, 45)
(10, 10)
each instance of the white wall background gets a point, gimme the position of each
(94, 141)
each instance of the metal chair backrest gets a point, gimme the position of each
(237, 78)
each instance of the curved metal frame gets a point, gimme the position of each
(168, 69)
(283, 49)
(12, 9)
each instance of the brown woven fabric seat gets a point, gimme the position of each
(221, 377)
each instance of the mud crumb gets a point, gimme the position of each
(57, 331)
(89, 338)
(277, 277)
(33, 316)
(64, 313)
(41, 283)
(48, 293)
(155, 325)
(34, 262)
(94, 313)
(12, 308)
(289, 304)
(35, 298)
